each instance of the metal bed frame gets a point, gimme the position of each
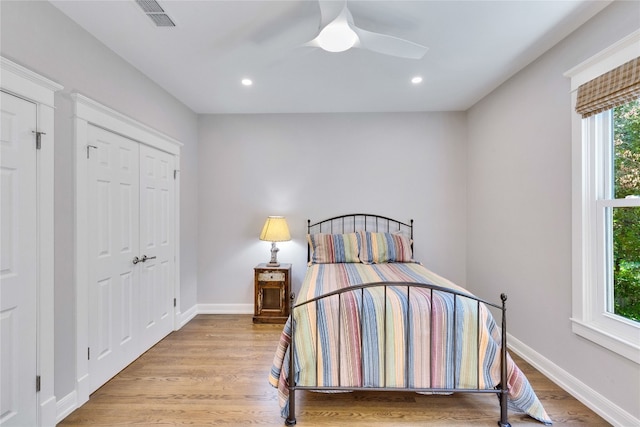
(376, 223)
(356, 222)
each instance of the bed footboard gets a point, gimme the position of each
(407, 290)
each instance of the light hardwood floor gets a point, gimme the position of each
(214, 372)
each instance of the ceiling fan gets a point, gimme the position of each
(338, 33)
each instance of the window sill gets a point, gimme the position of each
(601, 336)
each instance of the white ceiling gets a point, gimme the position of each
(474, 46)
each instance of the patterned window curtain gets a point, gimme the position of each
(611, 89)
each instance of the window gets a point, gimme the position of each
(606, 198)
(622, 214)
(617, 203)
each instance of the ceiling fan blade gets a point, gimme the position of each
(337, 35)
(336, 12)
(329, 11)
(389, 45)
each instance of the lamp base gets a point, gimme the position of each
(274, 256)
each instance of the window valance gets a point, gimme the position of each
(609, 90)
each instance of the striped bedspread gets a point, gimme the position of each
(372, 346)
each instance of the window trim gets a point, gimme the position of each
(590, 318)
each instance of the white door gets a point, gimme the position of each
(157, 244)
(132, 244)
(18, 252)
(113, 242)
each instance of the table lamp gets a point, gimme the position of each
(275, 230)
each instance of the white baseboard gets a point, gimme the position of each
(585, 394)
(66, 405)
(225, 308)
(187, 315)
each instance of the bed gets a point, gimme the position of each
(369, 317)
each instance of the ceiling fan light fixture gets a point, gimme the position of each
(337, 37)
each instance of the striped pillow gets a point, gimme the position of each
(333, 248)
(378, 248)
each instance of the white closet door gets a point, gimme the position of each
(132, 251)
(157, 243)
(18, 260)
(113, 242)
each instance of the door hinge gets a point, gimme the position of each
(37, 383)
(175, 173)
(88, 353)
(38, 138)
(174, 302)
(89, 147)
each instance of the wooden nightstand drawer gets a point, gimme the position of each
(271, 276)
(272, 288)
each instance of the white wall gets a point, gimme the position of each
(519, 207)
(320, 165)
(38, 36)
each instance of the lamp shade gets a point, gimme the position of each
(275, 230)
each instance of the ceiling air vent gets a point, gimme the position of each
(154, 11)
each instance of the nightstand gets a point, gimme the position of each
(272, 288)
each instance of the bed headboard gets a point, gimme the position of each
(356, 222)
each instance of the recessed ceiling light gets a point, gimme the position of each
(416, 80)
(247, 82)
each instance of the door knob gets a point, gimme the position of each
(144, 258)
(137, 260)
